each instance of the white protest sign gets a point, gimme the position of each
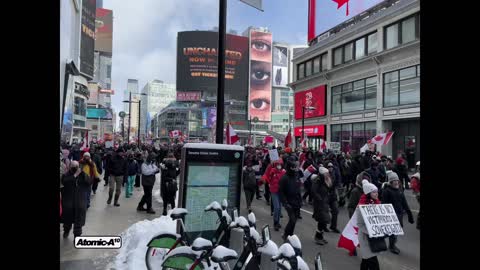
(380, 220)
(109, 144)
(335, 146)
(273, 155)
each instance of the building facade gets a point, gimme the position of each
(370, 68)
(158, 95)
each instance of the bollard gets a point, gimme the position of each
(236, 243)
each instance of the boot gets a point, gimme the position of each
(392, 246)
(116, 200)
(140, 208)
(150, 211)
(277, 226)
(319, 238)
(109, 201)
(66, 233)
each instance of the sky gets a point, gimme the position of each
(145, 32)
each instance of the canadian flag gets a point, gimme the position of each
(175, 133)
(288, 139)
(349, 237)
(304, 142)
(383, 138)
(232, 137)
(308, 171)
(268, 140)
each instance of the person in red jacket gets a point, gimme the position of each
(272, 177)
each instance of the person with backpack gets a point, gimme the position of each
(168, 184)
(132, 170)
(149, 170)
(249, 183)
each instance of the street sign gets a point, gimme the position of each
(254, 3)
(122, 114)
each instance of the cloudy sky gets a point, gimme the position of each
(145, 31)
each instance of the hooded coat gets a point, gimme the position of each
(321, 212)
(74, 201)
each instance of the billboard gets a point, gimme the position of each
(102, 113)
(323, 15)
(104, 30)
(87, 37)
(260, 97)
(314, 97)
(280, 66)
(197, 64)
(189, 96)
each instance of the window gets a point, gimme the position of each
(79, 106)
(109, 86)
(404, 31)
(284, 101)
(353, 136)
(348, 52)
(301, 71)
(109, 72)
(337, 56)
(316, 65)
(324, 62)
(360, 48)
(284, 94)
(372, 43)
(308, 68)
(392, 36)
(355, 96)
(401, 87)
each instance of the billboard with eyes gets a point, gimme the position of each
(260, 75)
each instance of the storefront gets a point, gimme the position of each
(353, 136)
(406, 140)
(313, 134)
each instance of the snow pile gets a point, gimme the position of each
(302, 265)
(221, 254)
(256, 236)
(286, 250)
(201, 244)
(269, 249)
(252, 220)
(179, 211)
(294, 241)
(131, 255)
(214, 206)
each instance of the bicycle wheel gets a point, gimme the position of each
(158, 248)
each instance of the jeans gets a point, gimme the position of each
(277, 207)
(146, 198)
(129, 187)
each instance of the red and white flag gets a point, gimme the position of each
(249, 140)
(349, 237)
(232, 136)
(323, 145)
(268, 139)
(288, 139)
(308, 171)
(175, 133)
(383, 138)
(304, 142)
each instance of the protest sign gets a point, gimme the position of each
(273, 154)
(380, 220)
(335, 146)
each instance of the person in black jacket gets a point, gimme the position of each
(117, 168)
(149, 170)
(333, 198)
(290, 197)
(392, 194)
(132, 170)
(309, 160)
(249, 183)
(74, 202)
(356, 193)
(140, 160)
(168, 184)
(320, 185)
(374, 172)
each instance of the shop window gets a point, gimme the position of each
(401, 87)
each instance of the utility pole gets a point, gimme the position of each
(222, 25)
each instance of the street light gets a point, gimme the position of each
(129, 101)
(303, 119)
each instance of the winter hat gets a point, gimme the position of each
(330, 164)
(392, 176)
(288, 150)
(86, 154)
(323, 170)
(417, 175)
(368, 187)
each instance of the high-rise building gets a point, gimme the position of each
(157, 96)
(132, 87)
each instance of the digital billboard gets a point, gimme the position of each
(323, 15)
(102, 113)
(260, 97)
(104, 30)
(315, 98)
(87, 37)
(197, 64)
(280, 66)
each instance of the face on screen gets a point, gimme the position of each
(261, 46)
(260, 75)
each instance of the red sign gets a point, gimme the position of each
(107, 91)
(189, 96)
(311, 131)
(314, 97)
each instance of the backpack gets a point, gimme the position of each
(249, 180)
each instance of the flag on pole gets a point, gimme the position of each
(288, 139)
(175, 133)
(364, 148)
(382, 138)
(232, 136)
(349, 237)
(308, 171)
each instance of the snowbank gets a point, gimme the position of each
(131, 255)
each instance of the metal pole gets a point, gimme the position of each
(303, 122)
(222, 25)
(250, 128)
(129, 116)
(98, 106)
(123, 128)
(139, 102)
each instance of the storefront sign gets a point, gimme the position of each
(311, 131)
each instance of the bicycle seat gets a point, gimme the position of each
(223, 254)
(202, 244)
(178, 213)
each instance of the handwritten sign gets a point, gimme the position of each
(273, 154)
(380, 220)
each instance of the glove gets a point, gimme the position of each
(410, 218)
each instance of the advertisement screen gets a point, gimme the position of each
(323, 15)
(260, 75)
(280, 66)
(102, 113)
(310, 131)
(104, 30)
(189, 96)
(87, 38)
(315, 98)
(197, 64)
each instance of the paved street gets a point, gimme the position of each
(103, 219)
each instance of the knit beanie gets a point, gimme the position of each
(368, 187)
(392, 176)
